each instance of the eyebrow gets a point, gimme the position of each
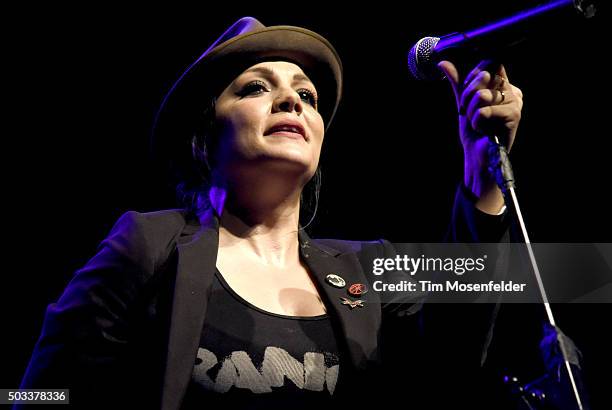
(271, 73)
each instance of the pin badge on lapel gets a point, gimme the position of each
(357, 289)
(352, 304)
(335, 281)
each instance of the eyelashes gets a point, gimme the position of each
(308, 96)
(258, 87)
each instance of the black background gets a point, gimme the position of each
(84, 83)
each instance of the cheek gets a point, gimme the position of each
(317, 128)
(242, 125)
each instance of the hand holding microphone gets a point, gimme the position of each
(488, 105)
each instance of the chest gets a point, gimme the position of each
(287, 291)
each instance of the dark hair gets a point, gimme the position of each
(192, 192)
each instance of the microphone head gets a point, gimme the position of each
(421, 61)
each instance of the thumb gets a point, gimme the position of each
(452, 74)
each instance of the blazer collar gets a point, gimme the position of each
(197, 256)
(359, 327)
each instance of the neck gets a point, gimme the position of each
(261, 220)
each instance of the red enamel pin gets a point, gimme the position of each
(357, 289)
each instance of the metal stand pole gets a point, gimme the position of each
(502, 169)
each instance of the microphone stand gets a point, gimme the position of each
(502, 170)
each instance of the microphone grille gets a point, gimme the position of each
(420, 59)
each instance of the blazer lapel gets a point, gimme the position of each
(359, 326)
(195, 270)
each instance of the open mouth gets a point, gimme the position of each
(287, 130)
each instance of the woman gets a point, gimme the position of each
(229, 301)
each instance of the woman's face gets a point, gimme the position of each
(268, 120)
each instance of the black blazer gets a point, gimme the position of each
(126, 329)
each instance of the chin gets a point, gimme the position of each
(291, 162)
(300, 156)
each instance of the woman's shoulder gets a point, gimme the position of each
(160, 220)
(149, 235)
(155, 224)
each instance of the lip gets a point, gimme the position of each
(278, 129)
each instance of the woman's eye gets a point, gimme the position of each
(253, 88)
(308, 96)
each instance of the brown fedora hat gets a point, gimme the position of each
(245, 43)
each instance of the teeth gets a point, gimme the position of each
(290, 129)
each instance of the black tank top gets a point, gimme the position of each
(250, 358)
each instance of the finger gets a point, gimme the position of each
(452, 74)
(472, 75)
(501, 81)
(481, 81)
(517, 91)
(485, 97)
(498, 83)
(495, 119)
(484, 65)
(509, 94)
(502, 72)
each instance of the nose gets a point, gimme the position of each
(288, 100)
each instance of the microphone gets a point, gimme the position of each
(491, 38)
